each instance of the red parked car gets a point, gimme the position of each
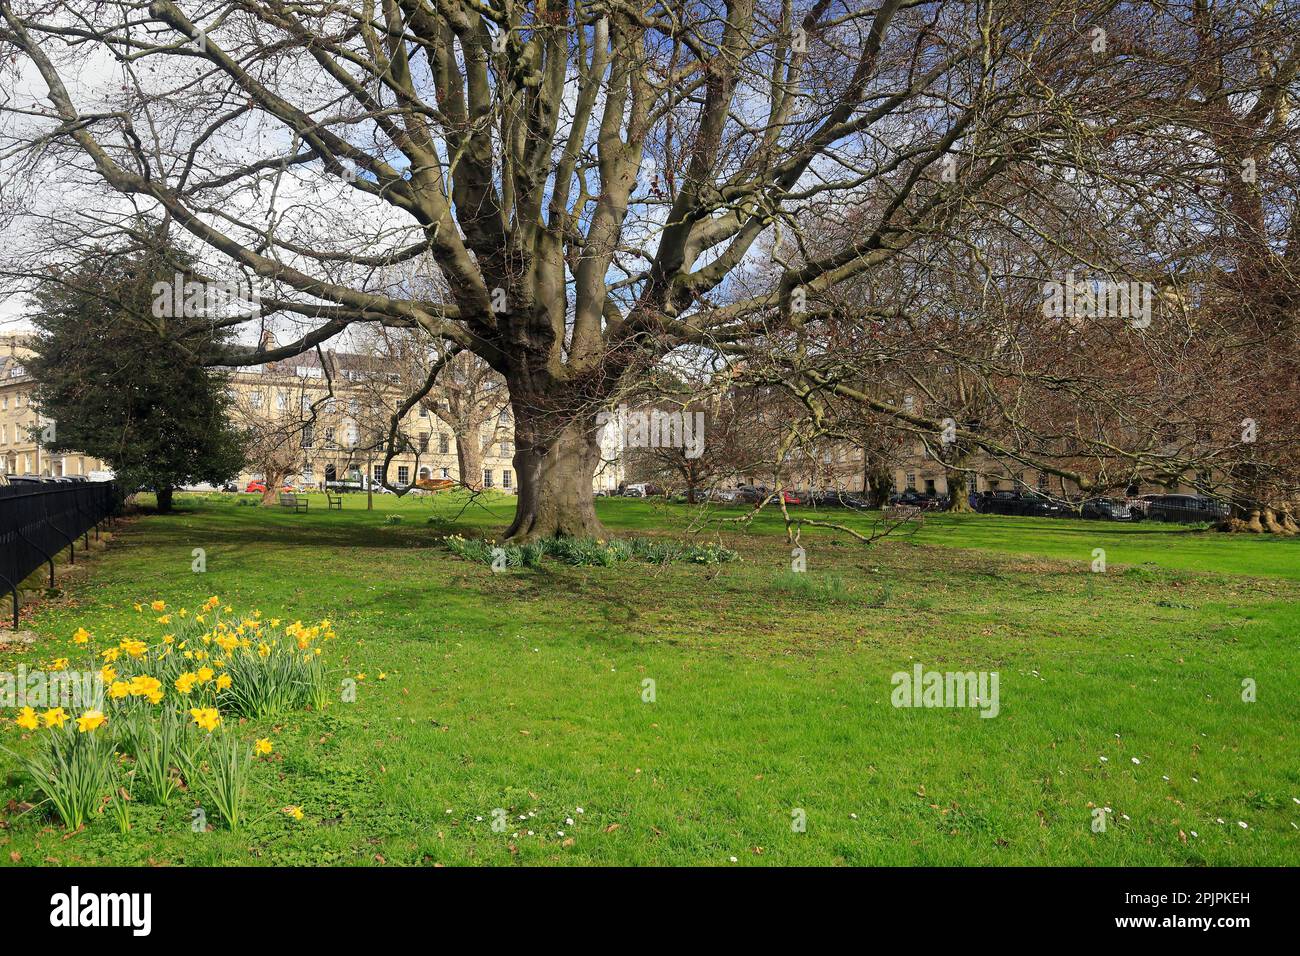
(256, 487)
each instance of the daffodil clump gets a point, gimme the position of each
(214, 660)
(162, 725)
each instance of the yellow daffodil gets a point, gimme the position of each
(90, 720)
(110, 654)
(54, 717)
(81, 636)
(205, 674)
(146, 686)
(295, 812)
(263, 651)
(107, 673)
(119, 689)
(133, 647)
(158, 605)
(26, 719)
(164, 619)
(185, 682)
(263, 746)
(59, 664)
(223, 682)
(206, 717)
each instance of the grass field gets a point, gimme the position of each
(524, 691)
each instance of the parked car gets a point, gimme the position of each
(914, 499)
(255, 487)
(1185, 509)
(752, 494)
(1024, 503)
(346, 484)
(791, 498)
(1106, 509)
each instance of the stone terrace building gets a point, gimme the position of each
(20, 425)
(334, 411)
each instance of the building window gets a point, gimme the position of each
(377, 473)
(257, 399)
(444, 444)
(307, 436)
(424, 441)
(505, 478)
(487, 477)
(505, 449)
(329, 436)
(281, 401)
(446, 473)
(424, 412)
(403, 474)
(910, 483)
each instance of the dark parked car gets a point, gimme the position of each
(914, 499)
(1030, 504)
(834, 499)
(1106, 509)
(1184, 509)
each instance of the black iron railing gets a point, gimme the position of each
(37, 521)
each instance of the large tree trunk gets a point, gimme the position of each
(959, 491)
(273, 480)
(555, 459)
(877, 483)
(164, 500)
(469, 458)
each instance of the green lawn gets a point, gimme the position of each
(523, 691)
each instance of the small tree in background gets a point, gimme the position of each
(125, 385)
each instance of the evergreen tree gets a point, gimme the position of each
(126, 384)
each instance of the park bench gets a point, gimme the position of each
(334, 502)
(902, 513)
(294, 502)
